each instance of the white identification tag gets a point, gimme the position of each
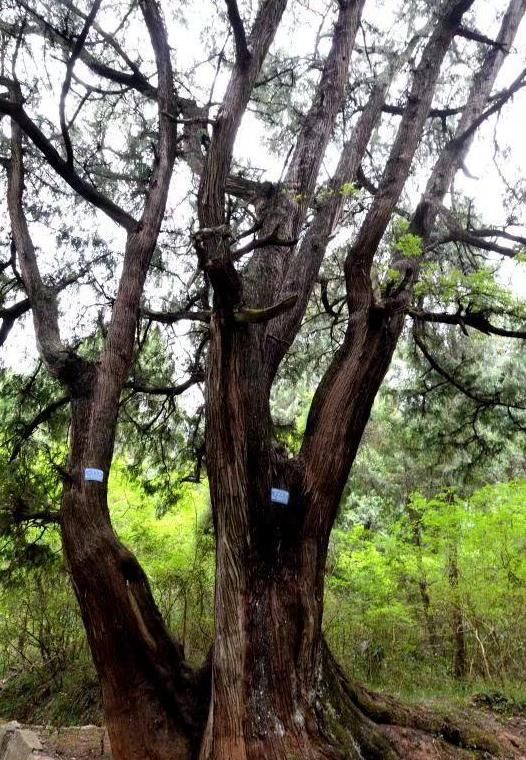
(278, 496)
(91, 473)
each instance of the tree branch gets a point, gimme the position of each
(258, 316)
(242, 51)
(360, 257)
(171, 317)
(454, 153)
(166, 390)
(75, 53)
(214, 253)
(476, 320)
(473, 34)
(9, 315)
(42, 299)
(43, 416)
(16, 111)
(116, 358)
(303, 270)
(469, 392)
(288, 213)
(503, 98)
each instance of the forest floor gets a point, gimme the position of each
(451, 721)
(509, 735)
(509, 732)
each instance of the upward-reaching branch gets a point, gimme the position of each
(214, 254)
(303, 270)
(456, 150)
(238, 30)
(117, 356)
(360, 257)
(343, 400)
(266, 274)
(42, 298)
(77, 49)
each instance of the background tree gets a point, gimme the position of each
(267, 665)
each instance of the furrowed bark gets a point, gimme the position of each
(456, 151)
(408, 136)
(231, 413)
(342, 403)
(213, 250)
(264, 668)
(270, 563)
(267, 668)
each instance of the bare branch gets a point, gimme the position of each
(166, 390)
(473, 34)
(272, 239)
(258, 316)
(304, 267)
(517, 85)
(9, 315)
(170, 318)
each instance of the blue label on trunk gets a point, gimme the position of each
(91, 473)
(278, 496)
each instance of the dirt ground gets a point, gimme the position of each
(83, 743)
(509, 734)
(89, 742)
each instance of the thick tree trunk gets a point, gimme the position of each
(154, 706)
(267, 684)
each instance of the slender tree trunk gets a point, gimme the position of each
(423, 585)
(457, 618)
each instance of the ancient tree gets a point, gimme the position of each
(261, 251)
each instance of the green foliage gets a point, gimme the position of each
(43, 653)
(376, 615)
(406, 243)
(480, 289)
(349, 190)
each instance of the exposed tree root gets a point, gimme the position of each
(387, 728)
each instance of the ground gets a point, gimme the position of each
(90, 742)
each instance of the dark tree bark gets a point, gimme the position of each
(267, 691)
